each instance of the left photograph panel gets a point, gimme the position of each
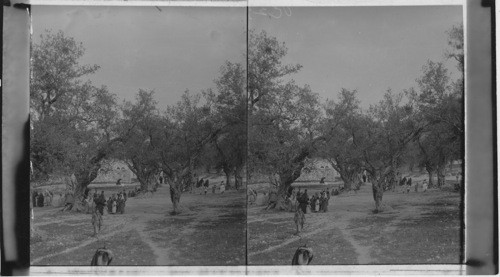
(138, 136)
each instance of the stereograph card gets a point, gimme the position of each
(249, 138)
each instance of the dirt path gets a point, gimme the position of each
(362, 251)
(349, 233)
(145, 229)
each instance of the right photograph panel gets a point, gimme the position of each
(355, 135)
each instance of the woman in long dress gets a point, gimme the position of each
(316, 203)
(113, 206)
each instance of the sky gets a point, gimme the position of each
(171, 49)
(369, 49)
(166, 49)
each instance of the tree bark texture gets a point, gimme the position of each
(378, 192)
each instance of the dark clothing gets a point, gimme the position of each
(40, 200)
(100, 202)
(120, 207)
(303, 201)
(110, 205)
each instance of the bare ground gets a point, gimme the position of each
(414, 228)
(209, 231)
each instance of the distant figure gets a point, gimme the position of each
(424, 186)
(207, 183)
(323, 203)
(86, 193)
(200, 183)
(316, 202)
(96, 221)
(160, 179)
(120, 205)
(110, 205)
(113, 206)
(119, 182)
(206, 190)
(322, 181)
(100, 202)
(364, 176)
(40, 200)
(102, 257)
(303, 201)
(70, 200)
(213, 189)
(303, 256)
(35, 198)
(299, 193)
(222, 187)
(273, 200)
(299, 220)
(88, 204)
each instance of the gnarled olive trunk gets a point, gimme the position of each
(175, 197)
(288, 176)
(238, 179)
(378, 193)
(146, 181)
(349, 181)
(441, 178)
(430, 172)
(227, 172)
(78, 182)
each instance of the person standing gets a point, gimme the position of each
(34, 199)
(40, 200)
(303, 199)
(100, 202)
(110, 205)
(316, 203)
(113, 205)
(424, 186)
(222, 187)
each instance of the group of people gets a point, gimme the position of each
(116, 203)
(205, 184)
(41, 199)
(222, 188)
(317, 203)
(97, 202)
